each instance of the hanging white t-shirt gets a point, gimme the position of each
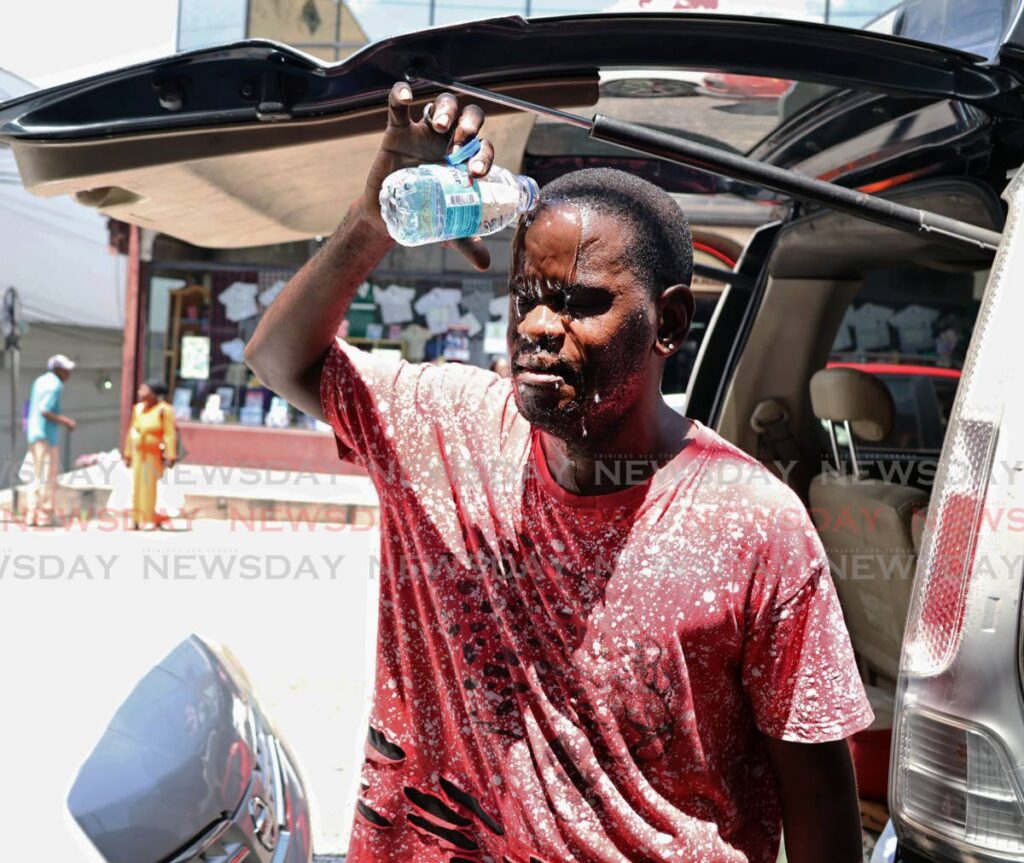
(843, 340)
(233, 350)
(395, 303)
(915, 325)
(871, 327)
(472, 324)
(270, 294)
(437, 297)
(239, 300)
(440, 318)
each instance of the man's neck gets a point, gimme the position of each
(628, 457)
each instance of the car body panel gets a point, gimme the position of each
(180, 764)
(221, 86)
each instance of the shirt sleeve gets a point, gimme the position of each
(49, 399)
(799, 670)
(407, 421)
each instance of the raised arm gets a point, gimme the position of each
(287, 350)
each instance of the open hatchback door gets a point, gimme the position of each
(255, 143)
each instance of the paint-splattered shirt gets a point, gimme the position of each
(577, 678)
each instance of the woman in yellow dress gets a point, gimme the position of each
(150, 445)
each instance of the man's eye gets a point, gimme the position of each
(522, 301)
(586, 304)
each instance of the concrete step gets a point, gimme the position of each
(246, 495)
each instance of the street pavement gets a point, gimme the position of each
(85, 612)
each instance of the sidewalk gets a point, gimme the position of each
(212, 491)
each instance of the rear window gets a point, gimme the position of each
(910, 327)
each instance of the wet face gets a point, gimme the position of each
(581, 323)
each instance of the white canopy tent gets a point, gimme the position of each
(54, 251)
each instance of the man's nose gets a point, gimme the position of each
(541, 323)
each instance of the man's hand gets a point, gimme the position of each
(818, 793)
(68, 423)
(293, 338)
(407, 144)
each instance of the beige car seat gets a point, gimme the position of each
(866, 525)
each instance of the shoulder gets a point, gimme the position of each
(469, 379)
(453, 383)
(734, 468)
(733, 480)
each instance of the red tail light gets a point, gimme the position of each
(947, 558)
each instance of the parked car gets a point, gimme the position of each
(190, 769)
(744, 86)
(904, 114)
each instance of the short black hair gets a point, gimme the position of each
(662, 250)
(157, 387)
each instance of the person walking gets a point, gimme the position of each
(44, 422)
(150, 445)
(605, 632)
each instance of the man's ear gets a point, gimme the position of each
(675, 314)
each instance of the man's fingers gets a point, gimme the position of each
(470, 121)
(443, 113)
(474, 250)
(481, 163)
(399, 100)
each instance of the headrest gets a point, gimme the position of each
(850, 395)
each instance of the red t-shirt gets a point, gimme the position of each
(577, 678)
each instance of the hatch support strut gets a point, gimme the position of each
(686, 152)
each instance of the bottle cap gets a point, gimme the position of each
(464, 153)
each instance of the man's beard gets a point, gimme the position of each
(584, 420)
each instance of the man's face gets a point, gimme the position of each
(581, 324)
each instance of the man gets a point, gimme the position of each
(44, 421)
(592, 645)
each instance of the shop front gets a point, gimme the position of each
(197, 308)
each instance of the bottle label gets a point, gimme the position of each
(463, 207)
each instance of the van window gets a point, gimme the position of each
(910, 327)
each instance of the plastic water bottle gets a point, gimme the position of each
(433, 203)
